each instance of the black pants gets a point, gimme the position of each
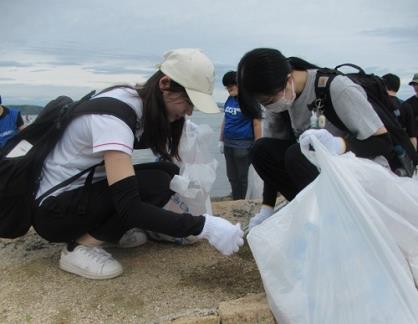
(237, 165)
(74, 213)
(283, 168)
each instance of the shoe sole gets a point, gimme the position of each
(83, 273)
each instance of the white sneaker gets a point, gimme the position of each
(132, 238)
(90, 262)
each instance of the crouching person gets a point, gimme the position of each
(286, 86)
(113, 200)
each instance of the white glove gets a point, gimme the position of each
(221, 234)
(221, 147)
(264, 213)
(334, 145)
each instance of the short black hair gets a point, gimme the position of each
(262, 71)
(392, 82)
(230, 79)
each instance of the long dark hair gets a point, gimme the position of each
(264, 71)
(160, 135)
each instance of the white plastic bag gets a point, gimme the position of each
(255, 185)
(197, 175)
(338, 252)
(198, 166)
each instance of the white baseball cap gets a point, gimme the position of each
(193, 70)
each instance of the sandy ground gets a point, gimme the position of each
(160, 281)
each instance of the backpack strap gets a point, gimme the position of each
(107, 106)
(322, 104)
(359, 69)
(69, 181)
(117, 108)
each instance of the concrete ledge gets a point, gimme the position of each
(210, 319)
(250, 309)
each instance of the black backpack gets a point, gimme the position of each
(20, 175)
(404, 155)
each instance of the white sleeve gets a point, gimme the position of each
(109, 133)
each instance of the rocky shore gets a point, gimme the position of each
(161, 283)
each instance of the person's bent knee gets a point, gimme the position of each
(154, 186)
(259, 149)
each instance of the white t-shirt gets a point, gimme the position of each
(84, 142)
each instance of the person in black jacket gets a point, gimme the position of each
(413, 101)
(402, 110)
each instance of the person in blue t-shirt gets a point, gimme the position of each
(10, 123)
(237, 136)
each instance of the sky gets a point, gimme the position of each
(55, 47)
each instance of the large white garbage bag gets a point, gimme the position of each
(339, 252)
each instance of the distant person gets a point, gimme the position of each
(413, 101)
(286, 85)
(403, 111)
(123, 196)
(11, 122)
(237, 136)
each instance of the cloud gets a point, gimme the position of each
(96, 42)
(395, 33)
(38, 94)
(119, 69)
(13, 64)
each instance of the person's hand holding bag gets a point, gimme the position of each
(264, 213)
(334, 144)
(221, 234)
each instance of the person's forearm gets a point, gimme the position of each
(136, 213)
(257, 126)
(414, 141)
(221, 133)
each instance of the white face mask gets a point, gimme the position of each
(284, 102)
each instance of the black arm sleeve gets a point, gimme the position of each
(370, 147)
(136, 213)
(408, 116)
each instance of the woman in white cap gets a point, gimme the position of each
(122, 196)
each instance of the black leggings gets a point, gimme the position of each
(71, 214)
(283, 168)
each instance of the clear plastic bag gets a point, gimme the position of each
(197, 175)
(198, 166)
(342, 251)
(255, 185)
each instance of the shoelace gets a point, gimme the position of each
(98, 254)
